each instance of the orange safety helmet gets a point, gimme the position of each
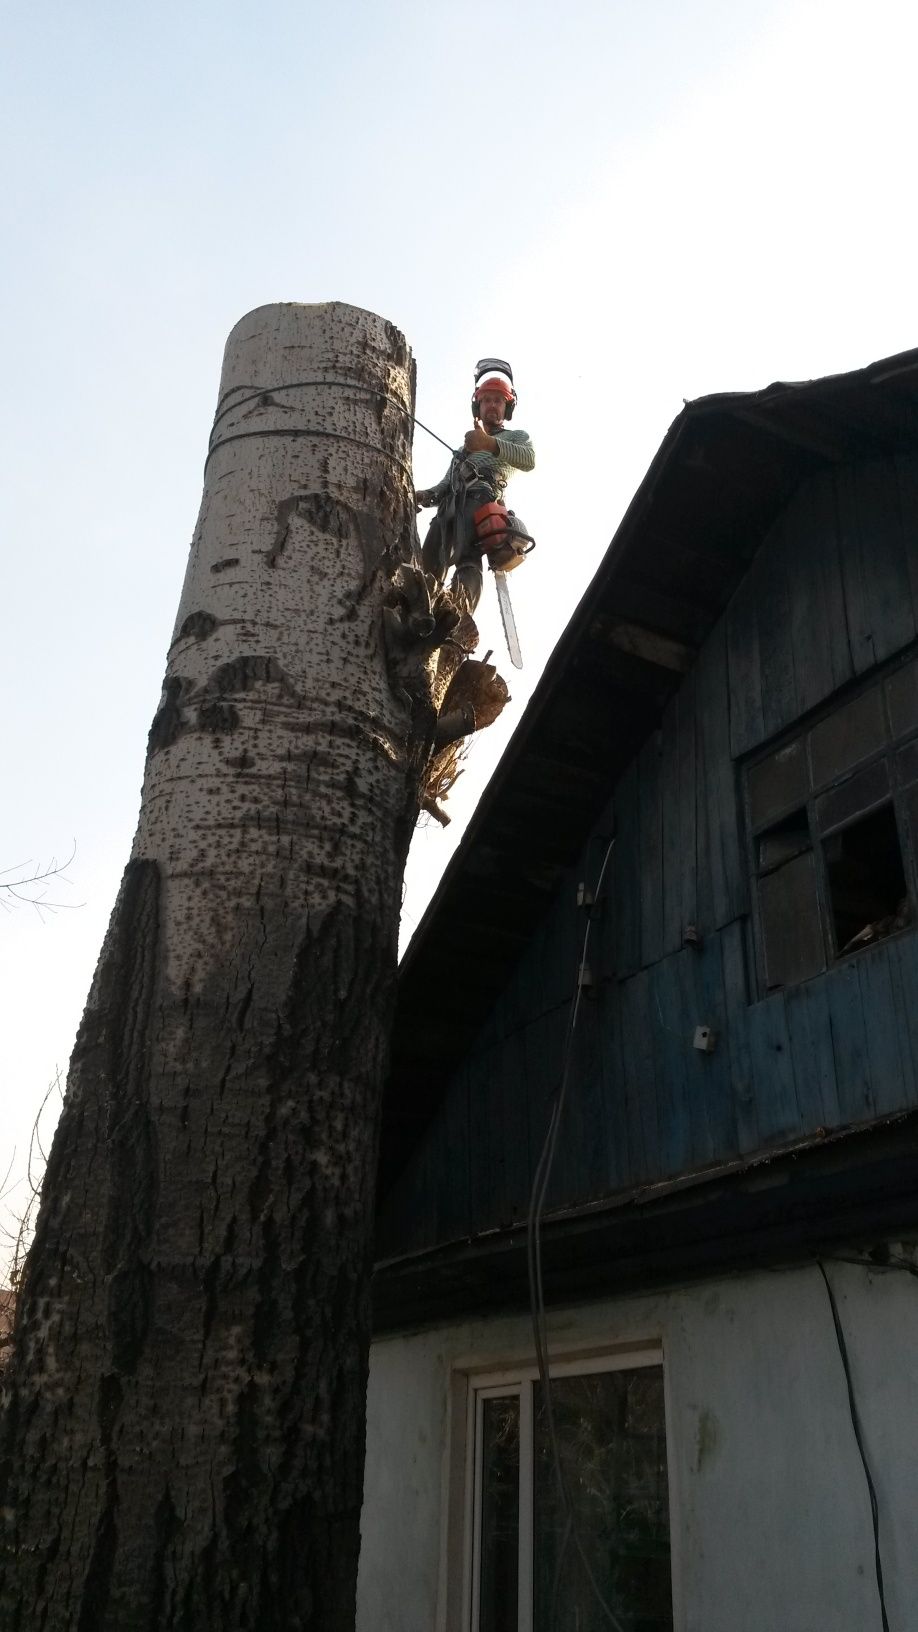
(493, 374)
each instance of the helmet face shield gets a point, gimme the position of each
(494, 374)
(493, 365)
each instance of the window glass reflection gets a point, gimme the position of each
(612, 1444)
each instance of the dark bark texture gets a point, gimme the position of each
(182, 1438)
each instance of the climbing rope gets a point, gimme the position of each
(297, 385)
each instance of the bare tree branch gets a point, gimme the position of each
(28, 886)
(19, 1237)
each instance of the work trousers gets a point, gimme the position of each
(451, 542)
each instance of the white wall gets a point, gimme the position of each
(771, 1517)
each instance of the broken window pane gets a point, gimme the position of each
(612, 1446)
(833, 871)
(778, 783)
(866, 880)
(848, 736)
(500, 1515)
(791, 929)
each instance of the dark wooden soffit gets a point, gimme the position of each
(853, 1193)
(725, 469)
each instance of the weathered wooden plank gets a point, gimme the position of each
(644, 1116)
(512, 1115)
(857, 602)
(449, 1158)
(903, 953)
(773, 1071)
(714, 1070)
(688, 824)
(700, 1070)
(569, 923)
(736, 1026)
(889, 609)
(577, 1162)
(603, 943)
(513, 1006)
(678, 1135)
(849, 1043)
(773, 615)
(822, 655)
(747, 727)
(651, 851)
(544, 975)
(717, 792)
(704, 884)
(810, 1029)
(626, 877)
(624, 1160)
(639, 641)
(888, 1052)
(586, 1139)
(834, 614)
(417, 1225)
(544, 1055)
(484, 1151)
(906, 469)
(812, 656)
(674, 859)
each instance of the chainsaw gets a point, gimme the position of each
(504, 540)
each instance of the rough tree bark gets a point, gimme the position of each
(182, 1439)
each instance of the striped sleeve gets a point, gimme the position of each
(516, 450)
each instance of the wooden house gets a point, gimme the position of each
(728, 734)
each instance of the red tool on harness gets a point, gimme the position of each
(505, 542)
(501, 536)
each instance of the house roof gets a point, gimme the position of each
(725, 469)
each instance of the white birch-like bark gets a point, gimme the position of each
(276, 670)
(182, 1445)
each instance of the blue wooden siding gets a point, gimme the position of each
(832, 593)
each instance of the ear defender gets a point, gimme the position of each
(494, 374)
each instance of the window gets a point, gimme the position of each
(832, 817)
(865, 879)
(525, 1570)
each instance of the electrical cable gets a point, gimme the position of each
(859, 1437)
(534, 1264)
(538, 1313)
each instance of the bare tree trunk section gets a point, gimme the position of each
(182, 1440)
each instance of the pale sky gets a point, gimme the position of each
(634, 203)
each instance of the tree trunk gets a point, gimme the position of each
(182, 1443)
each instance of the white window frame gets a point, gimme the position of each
(509, 1380)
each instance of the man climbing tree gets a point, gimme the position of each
(181, 1445)
(477, 478)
